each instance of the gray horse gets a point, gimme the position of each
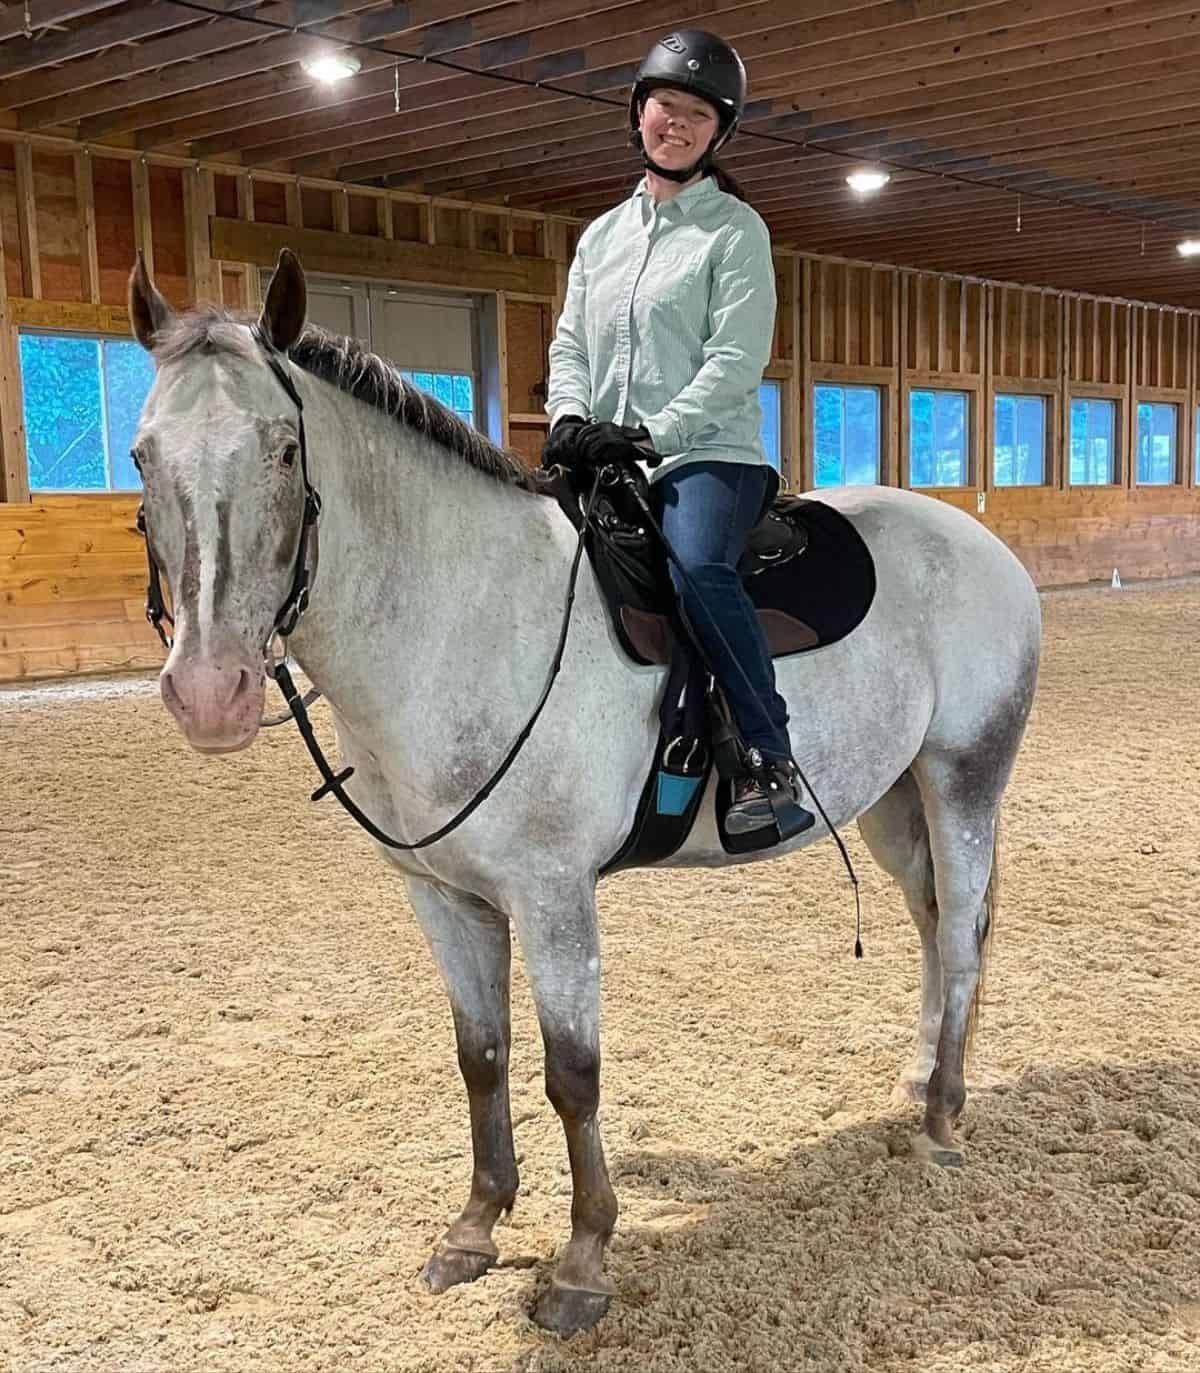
(433, 621)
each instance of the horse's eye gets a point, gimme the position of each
(289, 454)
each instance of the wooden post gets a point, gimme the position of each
(245, 195)
(801, 469)
(85, 202)
(143, 233)
(14, 470)
(341, 211)
(985, 476)
(795, 387)
(904, 464)
(383, 217)
(890, 473)
(501, 360)
(1063, 481)
(31, 267)
(198, 207)
(294, 208)
(1131, 394)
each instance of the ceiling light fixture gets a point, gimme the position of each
(331, 67)
(865, 182)
(1190, 247)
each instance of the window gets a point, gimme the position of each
(83, 397)
(938, 447)
(1157, 427)
(770, 394)
(1020, 447)
(1093, 442)
(455, 390)
(846, 435)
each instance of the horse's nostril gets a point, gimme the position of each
(244, 683)
(171, 693)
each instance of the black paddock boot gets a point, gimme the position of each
(768, 796)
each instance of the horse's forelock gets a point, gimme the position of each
(205, 331)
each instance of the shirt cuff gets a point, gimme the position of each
(665, 436)
(567, 407)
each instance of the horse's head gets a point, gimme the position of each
(218, 448)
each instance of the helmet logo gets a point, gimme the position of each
(673, 43)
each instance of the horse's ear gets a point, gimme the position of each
(286, 304)
(149, 313)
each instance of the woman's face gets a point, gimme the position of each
(677, 128)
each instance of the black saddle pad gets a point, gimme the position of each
(814, 598)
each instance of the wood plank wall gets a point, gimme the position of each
(896, 330)
(72, 567)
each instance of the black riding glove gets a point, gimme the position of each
(559, 448)
(600, 443)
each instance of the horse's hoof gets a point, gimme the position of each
(449, 1266)
(927, 1150)
(910, 1091)
(566, 1310)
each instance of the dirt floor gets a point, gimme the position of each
(232, 1128)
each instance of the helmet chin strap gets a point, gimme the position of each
(685, 173)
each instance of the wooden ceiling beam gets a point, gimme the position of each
(233, 49)
(23, 56)
(1049, 83)
(749, 26)
(764, 116)
(134, 73)
(497, 52)
(1130, 14)
(49, 13)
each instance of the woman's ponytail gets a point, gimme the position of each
(726, 182)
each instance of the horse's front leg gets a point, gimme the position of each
(560, 942)
(470, 942)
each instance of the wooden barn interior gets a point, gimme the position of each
(1026, 245)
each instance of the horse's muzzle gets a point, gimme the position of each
(216, 700)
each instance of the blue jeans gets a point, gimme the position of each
(708, 508)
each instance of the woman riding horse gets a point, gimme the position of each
(666, 329)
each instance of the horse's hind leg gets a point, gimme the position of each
(894, 830)
(470, 943)
(961, 811)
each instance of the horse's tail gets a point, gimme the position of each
(985, 935)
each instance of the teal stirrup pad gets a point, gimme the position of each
(675, 793)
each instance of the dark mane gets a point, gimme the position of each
(346, 364)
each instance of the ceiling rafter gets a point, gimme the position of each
(1082, 108)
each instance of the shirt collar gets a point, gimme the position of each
(690, 195)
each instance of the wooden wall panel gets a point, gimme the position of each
(529, 334)
(270, 201)
(57, 218)
(72, 587)
(116, 241)
(170, 239)
(10, 234)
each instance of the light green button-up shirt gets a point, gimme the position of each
(668, 320)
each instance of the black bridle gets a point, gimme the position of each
(288, 616)
(296, 603)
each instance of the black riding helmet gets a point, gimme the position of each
(701, 64)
